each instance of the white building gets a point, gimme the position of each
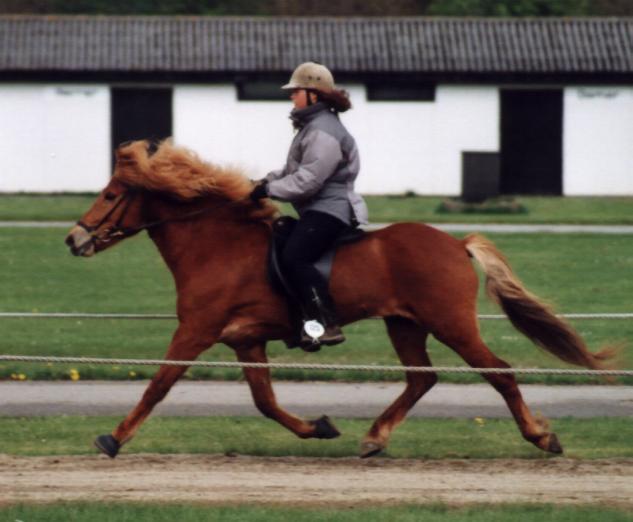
(441, 106)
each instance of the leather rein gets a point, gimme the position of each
(118, 231)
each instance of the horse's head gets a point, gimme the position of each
(115, 215)
(150, 188)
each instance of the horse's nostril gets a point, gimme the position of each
(70, 240)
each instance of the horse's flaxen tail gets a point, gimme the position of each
(527, 313)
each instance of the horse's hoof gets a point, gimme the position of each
(369, 449)
(107, 444)
(553, 445)
(324, 429)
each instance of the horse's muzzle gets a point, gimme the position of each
(80, 242)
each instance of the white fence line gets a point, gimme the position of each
(82, 315)
(309, 366)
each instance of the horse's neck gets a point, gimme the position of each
(207, 239)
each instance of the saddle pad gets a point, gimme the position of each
(282, 227)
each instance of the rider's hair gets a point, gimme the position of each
(337, 99)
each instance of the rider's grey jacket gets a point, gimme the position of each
(321, 167)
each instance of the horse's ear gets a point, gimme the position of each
(152, 147)
(121, 156)
(124, 151)
(132, 151)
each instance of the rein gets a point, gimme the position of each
(117, 231)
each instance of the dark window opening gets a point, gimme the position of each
(400, 91)
(262, 90)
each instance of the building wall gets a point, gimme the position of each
(251, 135)
(54, 137)
(404, 146)
(598, 141)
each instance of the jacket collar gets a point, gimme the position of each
(301, 117)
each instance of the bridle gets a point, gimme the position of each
(118, 231)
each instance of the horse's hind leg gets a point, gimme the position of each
(409, 340)
(469, 345)
(185, 346)
(264, 398)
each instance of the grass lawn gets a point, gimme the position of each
(168, 513)
(591, 438)
(580, 273)
(589, 210)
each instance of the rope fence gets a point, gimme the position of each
(310, 366)
(295, 366)
(81, 315)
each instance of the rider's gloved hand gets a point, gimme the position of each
(260, 191)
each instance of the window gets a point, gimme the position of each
(262, 90)
(400, 90)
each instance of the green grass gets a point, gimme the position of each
(581, 273)
(368, 344)
(597, 210)
(95, 512)
(592, 438)
(16, 207)
(577, 210)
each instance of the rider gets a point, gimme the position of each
(318, 179)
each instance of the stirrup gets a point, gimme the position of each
(314, 334)
(311, 334)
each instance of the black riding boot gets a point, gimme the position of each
(321, 325)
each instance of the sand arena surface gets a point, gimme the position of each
(313, 481)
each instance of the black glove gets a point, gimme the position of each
(260, 191)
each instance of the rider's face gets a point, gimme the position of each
(299, 98)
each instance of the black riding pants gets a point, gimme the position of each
(312, 236)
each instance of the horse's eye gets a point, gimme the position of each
(109, 196)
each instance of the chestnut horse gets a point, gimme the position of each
(215, 240)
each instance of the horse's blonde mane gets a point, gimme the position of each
(181, 173)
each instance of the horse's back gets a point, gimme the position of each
(417, 235)
(404, 266)
(410, 244)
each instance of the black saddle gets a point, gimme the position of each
(282, 227)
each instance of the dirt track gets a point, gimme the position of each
(233, 480)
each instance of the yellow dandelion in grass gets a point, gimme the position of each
(132, 374)
(18, 377)
(479, 421)
(74, 374)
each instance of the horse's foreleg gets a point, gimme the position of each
(474, 351)
(184, 346)
(264, 398)
(409, 340)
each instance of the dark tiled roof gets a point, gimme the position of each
(354, 45)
